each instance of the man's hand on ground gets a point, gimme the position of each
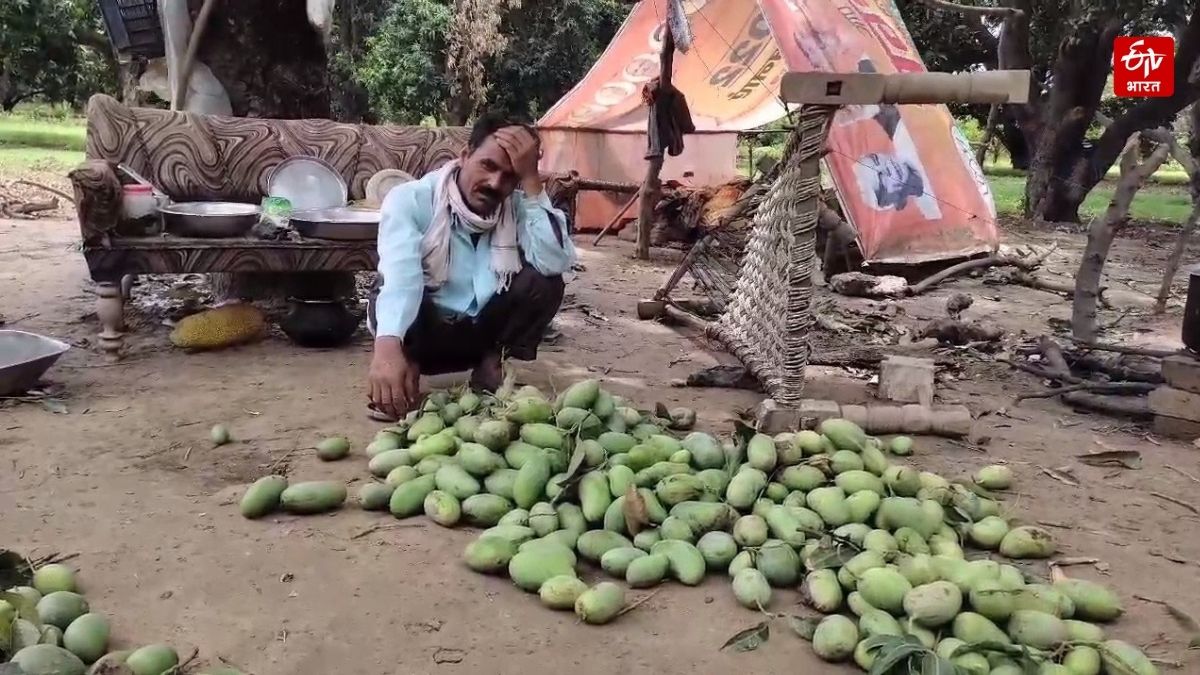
(524, 149)
(394, 381)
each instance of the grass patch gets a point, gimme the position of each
(17, 161)
(1169, 175)
(51, 134)
(1153, 202)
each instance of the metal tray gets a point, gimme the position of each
(213, 220)
(339, 222)
(308, 183)
(24, 357)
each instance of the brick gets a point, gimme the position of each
(1182, 372)
(1176, 428)
(1177, 403)
(906, 379)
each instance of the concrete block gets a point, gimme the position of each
(1182, 372)
(1172, 402)
(1174, 427)
(814, 411)
(774, 418)
(906, 379)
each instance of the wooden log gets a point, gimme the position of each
(615, 219)
(992, 86)
(596, 185)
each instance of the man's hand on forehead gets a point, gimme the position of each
(524, 149)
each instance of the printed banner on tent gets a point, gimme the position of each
(730, 75)
(905, 174)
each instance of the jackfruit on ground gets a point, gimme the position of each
(219, 328)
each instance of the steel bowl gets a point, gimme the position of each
(340, 222)
(308, 183)
(212, 220)
(24, 357)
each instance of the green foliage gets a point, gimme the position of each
(551, 45)
(52, 50)
(404, 67)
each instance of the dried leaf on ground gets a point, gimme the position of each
(1130, 459)
(1185, 620)
(1179, 502)
(804, 626)
(750, 639)
(634, 510)
(1061, 475)
(443, 655)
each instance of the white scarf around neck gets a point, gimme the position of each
(448, 205)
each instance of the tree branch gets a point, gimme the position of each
(1003, 12)
(1164, 291)
(1100, 238)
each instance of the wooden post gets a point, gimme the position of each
(652, 186)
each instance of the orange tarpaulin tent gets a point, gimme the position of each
(905, 175)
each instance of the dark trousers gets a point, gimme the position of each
(511, 324)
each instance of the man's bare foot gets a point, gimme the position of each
(488, 375)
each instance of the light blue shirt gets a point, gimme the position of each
(408, 212)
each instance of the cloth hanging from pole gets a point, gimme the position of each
(670, 119)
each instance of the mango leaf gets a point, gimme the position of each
(932, 664)
(893, 654)
(984, 647)
(576, 463)
(25, 609)
(743, 432)
(958, 516)
(830, 555)
(981, 492)
(1115, 665)
(804, 626)
(750, 639)
(882, 641)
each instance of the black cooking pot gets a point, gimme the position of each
(319, 324)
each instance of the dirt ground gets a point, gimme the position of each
(126, 478)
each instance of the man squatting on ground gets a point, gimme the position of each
(471, 259)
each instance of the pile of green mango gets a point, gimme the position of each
(876, 545)
(54, 632)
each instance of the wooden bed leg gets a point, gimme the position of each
(110, 308)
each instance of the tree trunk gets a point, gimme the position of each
(1100, 239)
(989, 132)
(268, 57)
(272, 62)
(1056, 188)
(1013, 139)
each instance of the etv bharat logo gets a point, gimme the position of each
(1144, 66)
